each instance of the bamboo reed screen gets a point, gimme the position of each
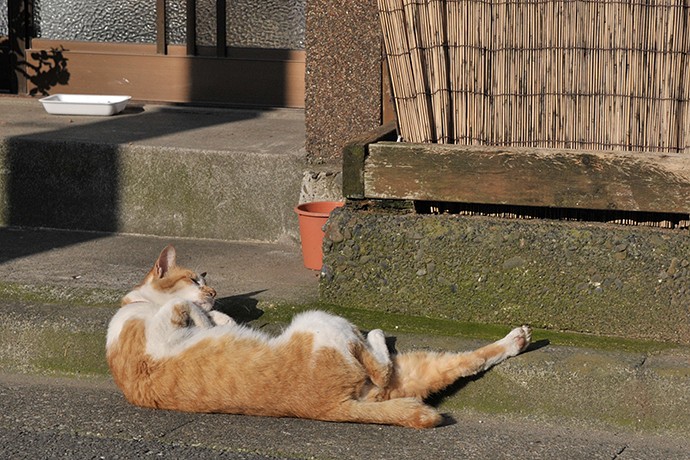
(591, 74)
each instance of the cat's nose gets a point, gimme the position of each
(211, 292)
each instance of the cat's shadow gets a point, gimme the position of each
(242, 307)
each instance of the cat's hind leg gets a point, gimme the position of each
(377, 341)
(374, 356)
(382, 365)
(419, 374)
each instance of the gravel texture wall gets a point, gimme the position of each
(586, 277)
(343, 75)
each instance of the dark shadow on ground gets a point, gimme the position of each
(16, 243)
(437, 398)
(242, 308)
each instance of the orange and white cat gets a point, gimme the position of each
(167, 349)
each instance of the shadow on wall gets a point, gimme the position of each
(271, 78)
(6, 82)
(46, 69)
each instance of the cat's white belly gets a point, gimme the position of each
(328, 330)
(163, 340)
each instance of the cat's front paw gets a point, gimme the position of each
(220, 318)
(205, 304)
(206, 298)
(180, 315)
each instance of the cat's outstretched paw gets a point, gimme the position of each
(518, 340)
(206, 304)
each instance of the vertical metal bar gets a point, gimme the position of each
(221, 32)
(29, 24)
(19, 18)
(191, 27)
(161, 39)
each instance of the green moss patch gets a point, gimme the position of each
(396, 323)
(48, 294)
(597, 279)
(71, 353)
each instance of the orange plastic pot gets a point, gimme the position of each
(312, 217)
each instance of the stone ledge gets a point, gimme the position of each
(151, 190)
(583, 277)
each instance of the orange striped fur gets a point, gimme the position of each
(166, 349)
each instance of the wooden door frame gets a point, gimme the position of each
(244, 77)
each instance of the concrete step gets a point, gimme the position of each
(59, 290)
(155, 170)
(97, 269)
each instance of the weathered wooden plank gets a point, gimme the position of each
(631, 181)
(354, 153)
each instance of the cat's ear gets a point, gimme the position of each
(165, 261)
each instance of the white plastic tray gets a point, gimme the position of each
(80, 104)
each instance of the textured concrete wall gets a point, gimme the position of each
(343, 81)
(599, 278)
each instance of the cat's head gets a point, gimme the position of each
(167, 281)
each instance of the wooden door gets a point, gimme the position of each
(196, 51)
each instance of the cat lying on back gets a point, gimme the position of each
(167, 349)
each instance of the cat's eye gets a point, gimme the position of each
(199, 280)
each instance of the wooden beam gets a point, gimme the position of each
(190, 25)
(263, 80)
(630, 181)
(161, 39)
(354, 154)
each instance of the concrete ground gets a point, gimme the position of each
(161, 126)
(569, 396)
(46, 417)
(59, 289)
(111, 264)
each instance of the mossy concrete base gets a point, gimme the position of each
(596, 278)
(643, 388)
(53, 339)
